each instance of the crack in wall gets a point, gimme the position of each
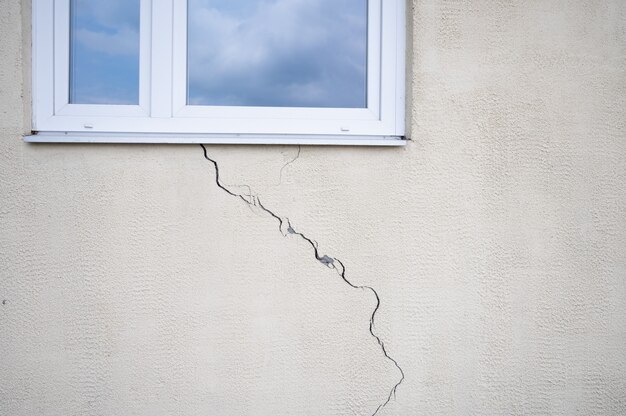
(285, 228)
(280, 175)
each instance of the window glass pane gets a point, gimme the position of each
(104, 55)
(277, 53)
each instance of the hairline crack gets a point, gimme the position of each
(329, 262)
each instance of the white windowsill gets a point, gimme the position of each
(278, 139)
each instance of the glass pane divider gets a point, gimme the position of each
(161, 79)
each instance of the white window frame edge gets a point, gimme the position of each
(52, 114)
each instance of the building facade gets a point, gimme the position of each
(132, 284)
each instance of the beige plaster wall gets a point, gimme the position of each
(130, 284)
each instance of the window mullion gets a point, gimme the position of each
(179, 86)
(162, 58)
(145, 56)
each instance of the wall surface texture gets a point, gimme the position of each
(130, 284)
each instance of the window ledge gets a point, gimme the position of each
(277, 139)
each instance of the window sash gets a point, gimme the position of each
(62, 105)
(370, 112)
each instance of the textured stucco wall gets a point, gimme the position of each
(130, 284)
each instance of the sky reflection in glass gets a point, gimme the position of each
(104, 63)
(277, 53)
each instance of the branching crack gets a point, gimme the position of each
(280, 174)
(285, 227)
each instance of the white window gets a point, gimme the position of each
(219, 71)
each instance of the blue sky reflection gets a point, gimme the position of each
(104, 52)
(281, 53)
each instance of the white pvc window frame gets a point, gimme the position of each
(163, 115)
